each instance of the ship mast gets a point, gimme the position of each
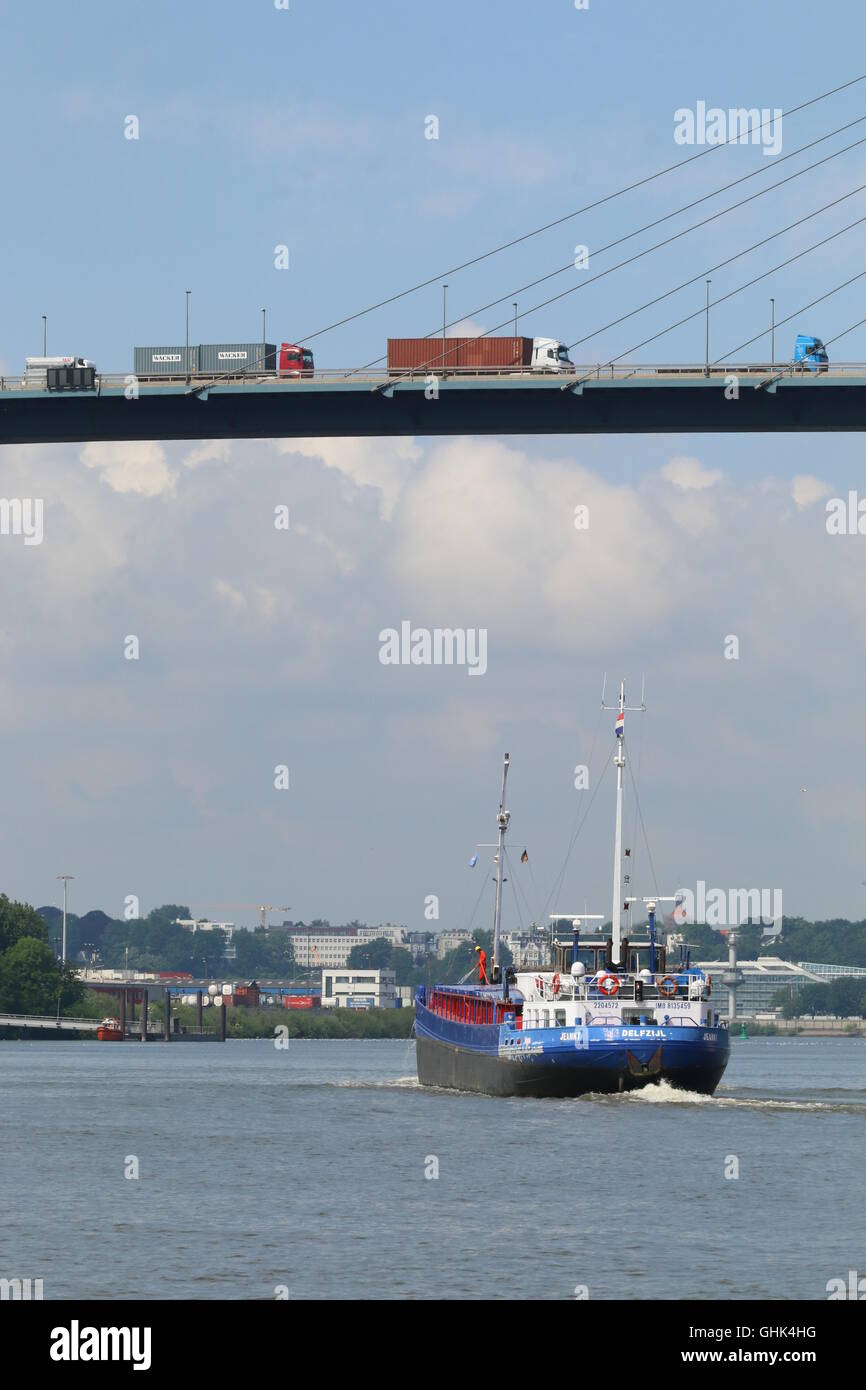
(502, 820)
(619, 763)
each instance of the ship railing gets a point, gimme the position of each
(649, 991)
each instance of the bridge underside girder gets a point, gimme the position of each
(304, 410)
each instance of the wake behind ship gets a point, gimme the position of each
(612, 1015)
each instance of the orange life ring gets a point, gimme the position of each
(556, 984)
(609, 985)
(667, 987)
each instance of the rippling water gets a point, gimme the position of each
(305, 1168)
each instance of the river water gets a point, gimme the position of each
(303, 1172)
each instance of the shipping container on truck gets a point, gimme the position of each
(249, 358)
(165, 361)
(473, 354)
(477, 355)
(224, 359)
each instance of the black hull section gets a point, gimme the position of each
(460, 1069)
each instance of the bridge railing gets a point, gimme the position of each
(11, 1020)
(334, 375)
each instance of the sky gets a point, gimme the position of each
(260, 647)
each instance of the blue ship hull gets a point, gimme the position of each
(505, 1061)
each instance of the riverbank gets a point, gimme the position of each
(307, 1023)
(802, 1027)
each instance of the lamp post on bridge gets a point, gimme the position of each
(707, 340)
(65, 878)
(772, 332)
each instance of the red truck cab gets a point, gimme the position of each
(295, 361)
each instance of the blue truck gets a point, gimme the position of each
(810, 354)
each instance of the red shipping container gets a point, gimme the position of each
(474, 354)
(299, 1001)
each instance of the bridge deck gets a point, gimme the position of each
(636, 400)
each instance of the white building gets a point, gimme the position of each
(330, 946)
(761, 982)
(358, 989)
(448, 941)
(397, 936)
(532, 951)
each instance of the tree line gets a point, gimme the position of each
(32, 981)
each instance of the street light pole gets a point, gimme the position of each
(707, 343)
(186, 359)
(264, 339)
(772, 332)
(65, 878)
(444, 323)
(44, 335)
(514, 307)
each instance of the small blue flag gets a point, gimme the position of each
(473, 861)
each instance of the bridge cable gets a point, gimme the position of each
(694, 278)
(591, 280)
(802, 310)
(731, 293)
(845, 331)
(557, 222)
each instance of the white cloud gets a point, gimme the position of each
(383, 464)
(486, 534)
(466, 328)
(135, 466)
(689, 474)
(208, 451)
(230, 594)
(807, 489)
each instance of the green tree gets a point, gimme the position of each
(164, 916)
(373, 955)
(19, 920)
(31, 981)
(846, 996)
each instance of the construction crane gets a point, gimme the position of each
(261, 908)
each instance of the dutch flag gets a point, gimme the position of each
(620, 724)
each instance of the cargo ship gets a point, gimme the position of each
(612, 1014)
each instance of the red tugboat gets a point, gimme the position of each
(110, 1030)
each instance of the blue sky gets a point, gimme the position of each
(260, 127)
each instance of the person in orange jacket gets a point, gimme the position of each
(482, 966)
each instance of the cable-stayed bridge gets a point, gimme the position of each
(749, 388)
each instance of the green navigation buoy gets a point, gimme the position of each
(743, 1033)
